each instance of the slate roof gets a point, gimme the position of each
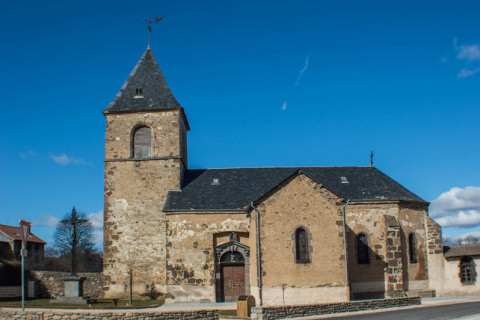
(155, 90)
(238, 187)
(462, 251)
(15, 233)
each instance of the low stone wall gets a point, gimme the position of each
(270, 313)
(24, 315)
(10, 291)
(51, 282)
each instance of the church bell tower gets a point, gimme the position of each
(145, 157)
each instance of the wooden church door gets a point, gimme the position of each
(233, 276)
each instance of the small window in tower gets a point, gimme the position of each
(344, 179)
(142, 143)
(138, 93)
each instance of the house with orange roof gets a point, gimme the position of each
(11, 244)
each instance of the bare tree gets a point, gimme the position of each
(448, 241)
(460, 241)
(74, 234)
(470, 240)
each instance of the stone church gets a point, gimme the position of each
(297, 234)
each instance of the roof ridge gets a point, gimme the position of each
(285, 167)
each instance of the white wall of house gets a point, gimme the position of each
(451, 282)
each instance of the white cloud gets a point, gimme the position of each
(302, 71)
(462, 219)
(26, 155)
(284, 105)
(96, 219)
(97, 223)
(457, 208)
(468, 52)
(467, 73)
(471, 54)
(64, 160)
(98, 237)
(475, 234)
(46, 221)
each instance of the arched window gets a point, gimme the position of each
(467, 274)
(363, 255)
(301, 246)
(412, 248)
(142, 143)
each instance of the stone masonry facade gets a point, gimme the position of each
(317, 210)
(170, 229)
(434, 237)
(394, 262)
(135, 192)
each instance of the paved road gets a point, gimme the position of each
(445, 312)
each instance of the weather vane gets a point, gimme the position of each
(371, 158)
(149, 23)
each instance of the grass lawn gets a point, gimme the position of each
(100, 304)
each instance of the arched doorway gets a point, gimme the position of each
(232, 270)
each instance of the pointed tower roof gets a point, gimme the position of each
(145, 89)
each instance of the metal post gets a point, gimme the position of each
(131, 283)
(347, 280)
(23, 276)
(259, 256)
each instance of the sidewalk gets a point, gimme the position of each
(190, 306)
(426, 302)
(176, 307)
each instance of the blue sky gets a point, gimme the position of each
(263, 83)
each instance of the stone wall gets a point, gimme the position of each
(436, 259)
(130, 315)
(135, 193)
(165, 127)
(369, 280)
(51, 282)
(394, 283)
(191, 264)
(434, 237)
(300, 202)
(267, 313)
(411, 218)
